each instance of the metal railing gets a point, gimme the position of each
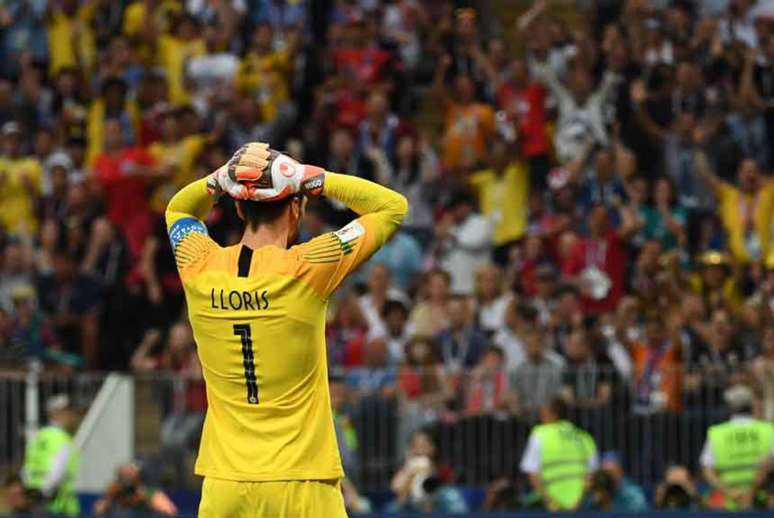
(480, 421)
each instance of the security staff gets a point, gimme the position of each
(51, 461)
(559, 458)
(734, 450)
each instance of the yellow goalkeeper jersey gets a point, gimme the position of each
(258, 318)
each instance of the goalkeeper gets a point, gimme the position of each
(268, 446)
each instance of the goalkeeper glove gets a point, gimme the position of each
(270, 175)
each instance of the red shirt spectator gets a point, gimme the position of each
(598, 262)
(526, 106)
(122, 173)
(524, 101)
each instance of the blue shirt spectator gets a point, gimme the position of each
(403, 256)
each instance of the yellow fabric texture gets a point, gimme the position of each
(17, 177)
(180, 159)
(503, 198)
(731, 200)
(267, 78)
(173, 53)
(95, 126)
(297, 499)
(260, 331)
(70, 37)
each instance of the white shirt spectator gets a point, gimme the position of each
(208, 73)
(512, 346)
(578, 123)
(469, 249)
(491, 316)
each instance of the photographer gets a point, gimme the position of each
(417, 485)
(677, 492)
(128, 493)
(611, 490)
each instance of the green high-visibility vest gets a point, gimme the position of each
(38, 459)
(738, 448)
(565, 451)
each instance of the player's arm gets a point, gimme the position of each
(184, 216)
(327, 259)
(264, 174)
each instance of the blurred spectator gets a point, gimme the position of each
(29, 332)
(125, 175)
(559, 459)
(663, 218)
(15, 497)
(127, 493)
(15, 270)
(502, 495)
(468, 123)
(744, 210)
(415, 171)
(619, 494)
(491, 301)
(716, 358)
(417, 485)
(51, 461)
(395, 316)
(587, 379)
(582, 108)
(597, 263)
(460, 346)
(539, 378)
(421, 377)
(519, 318)
(502, 195)
(264, 73)
(463, 241)
(734, 450)
(524, 102)
(715, 282)
(21, 180)
(376, 376)
(372, 303)
(430, 315)
(677, 492)
(346, 435)
(72, 300)
(182, 426)
(657, 368)
(486, 388)
(763, 372)
(347, 333)
(402, 255)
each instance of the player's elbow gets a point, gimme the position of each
(398, 208)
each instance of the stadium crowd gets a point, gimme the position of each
(591, 208)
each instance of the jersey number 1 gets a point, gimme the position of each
(244, 332)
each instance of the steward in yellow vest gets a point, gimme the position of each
(734, 450)
(559, 458)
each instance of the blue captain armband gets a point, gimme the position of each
(182, 228)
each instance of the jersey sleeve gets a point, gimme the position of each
(187, 232)
(325, 261)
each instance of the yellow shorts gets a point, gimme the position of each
(287, 499)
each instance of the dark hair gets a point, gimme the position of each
(394, 305)
(527, 312)
(603, 482)
(262, 213)
(494, 349)
(559, 408)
